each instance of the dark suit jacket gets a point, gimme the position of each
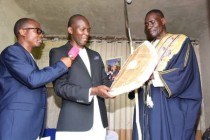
(23, 94)
(76, 111)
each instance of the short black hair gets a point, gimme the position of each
(72, 19)
(156, 11)
(19, 24)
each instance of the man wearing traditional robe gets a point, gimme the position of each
(174, 86)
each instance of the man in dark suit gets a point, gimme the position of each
(22, 91)
(83, 89)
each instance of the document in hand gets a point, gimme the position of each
(136, 70)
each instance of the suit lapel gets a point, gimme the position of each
(32, 60)
(67, 47)
(90, 56)
(81, 63)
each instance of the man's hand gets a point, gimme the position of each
(101, 91)
(67, 61)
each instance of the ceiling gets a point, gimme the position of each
(107, 16)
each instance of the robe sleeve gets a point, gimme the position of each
(181, 76)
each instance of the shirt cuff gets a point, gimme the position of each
(90, 96)
(157, 82)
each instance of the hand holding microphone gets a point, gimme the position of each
(72, 54)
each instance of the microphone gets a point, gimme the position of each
(73, 52)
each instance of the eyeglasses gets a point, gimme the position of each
(38, 30)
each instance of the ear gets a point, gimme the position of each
(70, 30)
(22, 32)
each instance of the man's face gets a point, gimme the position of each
(33, 34)
(80, 32)
(154, 26)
